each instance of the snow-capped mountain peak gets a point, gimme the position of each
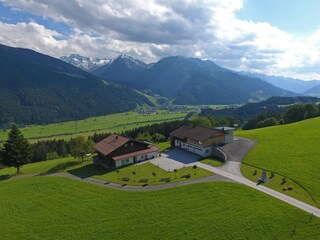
(85, 63)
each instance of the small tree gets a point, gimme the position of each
(81, 146)
(157, 137)
(16, 150)
(195, 168)
(118, 173)
(255, 172)
(134, 176)
(271, 175)
(175, 173)
(154, 175)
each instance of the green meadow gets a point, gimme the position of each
(59, 208)
(212, 161)
(109, 123)
(144, 174)
(290, 151)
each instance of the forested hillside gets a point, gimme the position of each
(35, 88)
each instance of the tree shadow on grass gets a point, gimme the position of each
(5, 177)
(60, 167)
(89, 171)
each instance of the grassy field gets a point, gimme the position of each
(289, 150)
(212, 161)
(143, 173)
(50, 166)
(57, 208)
(163, 146)
(108, 123)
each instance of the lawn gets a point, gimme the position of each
(287, 186)
(57, 208)
(290, 150)
(143, 173)
(212, 161)
(50, 166)
(163, 146)
(109, 123)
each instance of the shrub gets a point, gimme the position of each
(255, 172)
(290, 188)
(271, 175)
(284, 189)
(284, 180)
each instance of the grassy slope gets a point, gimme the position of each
(143, 171)
(87, 169)
(113, 123)
(212, 161)
(57, 208)
(291, 150)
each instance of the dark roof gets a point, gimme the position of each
(111, 143)
(137, 153)
(197, 133)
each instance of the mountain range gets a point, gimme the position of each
(36, 88)
(85, 63)
(122, 69)
(127, 69)
(290, 84)
(189, 80)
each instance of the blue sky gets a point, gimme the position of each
(276, 37)
(296, 16)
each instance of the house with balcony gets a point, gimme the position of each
(117, 151)
(201, 140)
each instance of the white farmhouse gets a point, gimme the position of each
(201, 140)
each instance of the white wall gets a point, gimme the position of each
(204, 152)
(124, 162)
(140, 158)
(229, 138)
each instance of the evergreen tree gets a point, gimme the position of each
(16, 150)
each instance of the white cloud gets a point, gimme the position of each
(153, 29)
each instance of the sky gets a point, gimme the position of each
(275, 37)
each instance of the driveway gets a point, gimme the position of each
(236, 150)
(175, 159)
(235, 153)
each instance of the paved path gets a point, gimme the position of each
(235, 153)
(237, 150)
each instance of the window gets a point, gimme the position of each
(123, 161)
(126, 145)
(207, 151)
(127, 160)
(132, 144)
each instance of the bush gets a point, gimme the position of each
(255, 172)
(284, 189)
(52, 155)
(271, 175)
(290, 188)
(284, 180)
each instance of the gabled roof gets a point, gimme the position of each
(197, 133)
(111, 143)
